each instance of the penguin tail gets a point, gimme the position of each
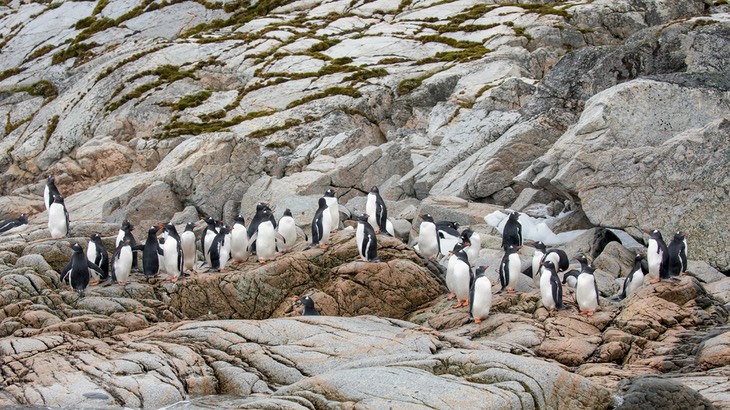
(470, 320)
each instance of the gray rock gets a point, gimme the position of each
(654, 392)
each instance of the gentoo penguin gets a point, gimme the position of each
(321, 225)
(334, 208)
(58, 221)
(256, 220)
(377, 212)
(220, 249)
(428, 239)
(265, 236)
(657, 256)
(473, 243)
(172, 251)
(309, 309)
(151, 252)
(677, 250)
(122, 263)
(289, 230)
(77, 270)
(96, 252)
(206, 238)
(510, 269)
(9, 224)
(512, 231)
(187, 243)
(586, 291)
(551, 292)
(125, 234)
(570, 277)
(537, 259)
(50, 191)
(366, 240)
(449, 235)
(480, 295)
(635, 278)
(461, 278)
(450, 285)
(239, 240)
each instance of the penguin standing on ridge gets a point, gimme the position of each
(551, 293)
(512, 231)
(570, 277)
(657, 256)
(376, 211)
(334, 208)
(321, 225)
(289, 230)
(510, 269)
(220, 249)
(206, 238)
(309, 309)
(367, 242)
(428, 239)
(449, 278)
(462, 276)
(259, 217)
(151, 252)
(187, 243)
(537, 259)
(449, 235)
(58, 220)
(172, 252)
(239, 240)
(9, 224)
(50, 191)
(635, 278)
(586, 292)
(125, 234)
(77, 270)
(96, 252)
(677, 250)
(122, 263)
(265, 237)
(480, 295)
(473, 244)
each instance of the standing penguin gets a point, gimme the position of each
(58, 221)
(321, 225)
(677, 250)
(9, 224)
(309, 309)
(449, 235)
(151, 252)
(96, 252)
(551, 292)
(586, 291)
(462, 278)
(265, 237)
(239, 240)
(259, 217)
(428, 239)
(77, 270)
(480, 295)
(512, 231)
(473, 243)
(334, 208)
(450, 285)
(635, 278)
(510, 269)
(172, 252)
(220, 249)
(50, 191)
(289, 230)
(206, 238)
(125, 234)
(377, 212)
(187, 243)
(657, 256)
(570, 277)
(122, 263)
(537, 259)
(367, 242)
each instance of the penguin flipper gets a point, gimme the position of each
(557, 290)
(97, 269)
(301, 233)
(65, 272)
(528, 271)
(598, 295)
(251, 240)
(343, 209)
(280, 237)
(572, 272)
(138, 247)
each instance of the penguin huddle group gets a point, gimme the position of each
(176, 254)
(473, 288)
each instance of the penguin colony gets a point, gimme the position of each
(176, 254)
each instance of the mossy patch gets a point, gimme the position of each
(208, 125)
(42, 88)
(279, 144)
(332, 91)
(166, 74)
(39, 52)
(51, 128)
(408, 85)
(190, 101)
(289, 123)
(10, 72)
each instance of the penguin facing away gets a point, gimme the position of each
(172, 252)
(321, 225)
(122, 263)
(657, 257)
(97, 253)
(125, 234)
(473, 244)
(77, 270)
(480, 295)
(512, 231)
(50, 191)
(428, 239)
(570, 277)
(220, 250)
(206, 238)
(677, 249)
(239, 240)
(151, 252)
(58, 220)
(586, 292)
(366, 240)
(551, 292)
(537, 258)
(309, 309)
(187, 243)
(289, 230)
(265, 238)
(449, 279)
(9, 224)
(510, 269)
(462, 278)
(635, 278)
(377, 211)
(334, 207)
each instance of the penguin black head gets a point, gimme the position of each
(539, 245)
(153, 230)
(513, 249)
(480, 271)
(51, 179)
(581, 258)
(330, 193)
(287, 212)
(76, 247)
(170, 228)
(549, 266)
(189, 226)
(514, 215)
(589, 269)
(374, 190)
(457, 247)
(655, 234)
(639, 257)
(363, 218)
(224, 229)
(466, 236)
(57, 198)
(679, 236)
(322, 202)
(239, 219)
(95, 237)
(427, 218)
(309, 309)
(127, 226)
(266, 212)
(23, 218)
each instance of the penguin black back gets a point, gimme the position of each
(512, 232)
(309, 309)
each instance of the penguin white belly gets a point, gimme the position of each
(326, 227)
(120, 238)
(91, 252)
(536, 268)
(209, 236)
(334, 208)
(225, 251)
(450, 273)
(472, 251)
(462, 277)
(427, 240)
(572, 281)
(266, 242)
(371, 209)
(171, 255)
(57, 221)
(585, 293)
(187, 240)
(389, 227)
(359, 238)
(515, 270)
(447, 243)
(546, 292)
(653, 259)
(482, 298)
(239, 243)
(46, 195)
(636, 281)
(288, 229)
(123, 264)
